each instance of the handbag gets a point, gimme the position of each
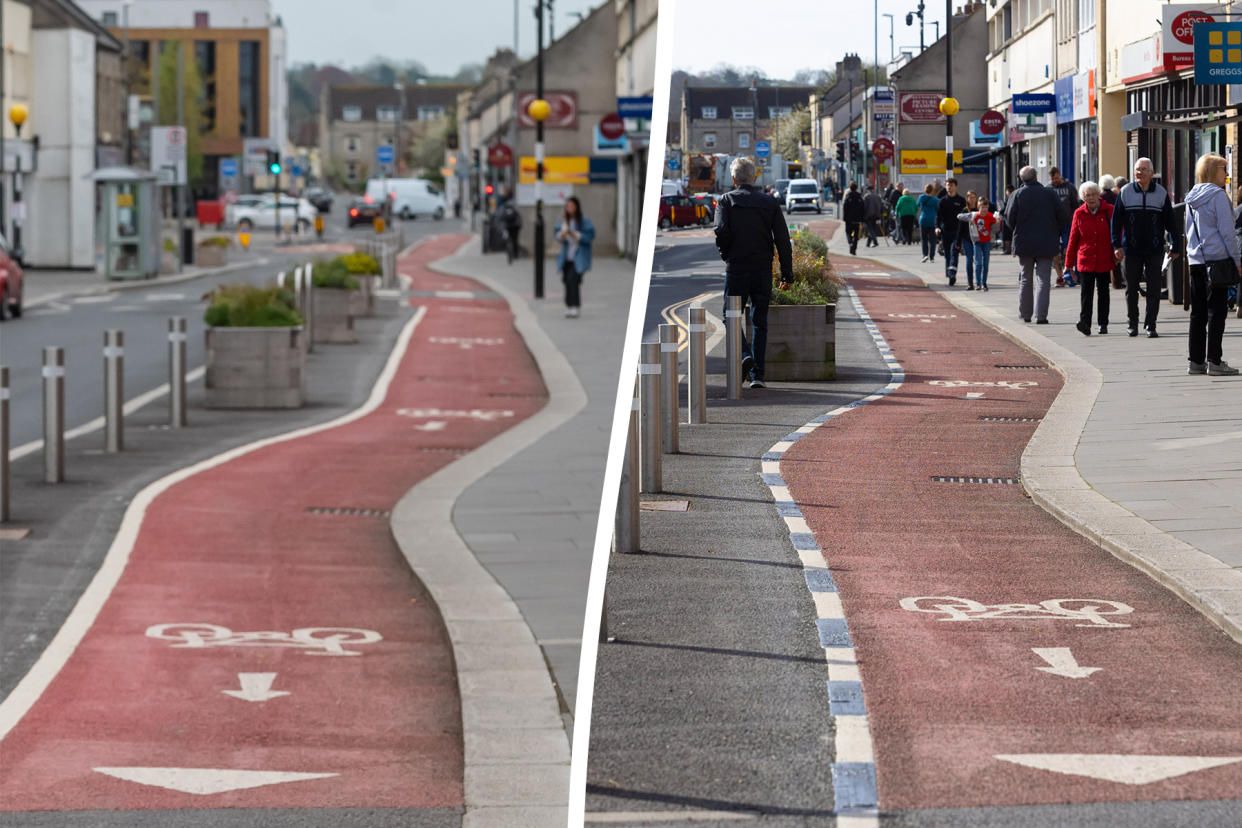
(1222, 272)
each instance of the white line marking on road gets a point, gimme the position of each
(828, 605)
(98, 423)
(840, 655)
(665, 816)
(434, 425)
(92, 600)
(797, 525)
(853, 742)
(164, 297)
(204, 781)
(1128, 770)
(812, 558)
(974, 395)
(256, 687)
(769, 467)
(94, 300)
(844, 672)
(1062, 662)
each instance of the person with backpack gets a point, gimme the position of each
(1215, 265)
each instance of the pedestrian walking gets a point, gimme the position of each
(1069, 200)
(1142, 217)
(749, 229)
(575, 232)
(894, 195)
(1035, 215)
(1107, 194)
(511, 217)
(1005, 230)
(906, 210)
(964, 239)
(1215, 266)
(1089, 253)
(927, 205)
(873, 211)
(951, 204)
(853, 212)
(979, 224)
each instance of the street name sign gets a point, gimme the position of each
(168, 154)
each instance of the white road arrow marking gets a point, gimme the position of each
(434, 425)
(1128, 770)
(256, 687)
(94, 300)
(1062, 662)
(203, 781)
(973, 395)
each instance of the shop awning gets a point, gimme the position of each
(1194, 118)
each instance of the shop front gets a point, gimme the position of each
(1077, 132)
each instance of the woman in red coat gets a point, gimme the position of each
(1090, 253)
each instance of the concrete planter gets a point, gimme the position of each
(802, 343)
(332, 320)
(211, 256)
(256, 368)
(362, 301)
(168, 262)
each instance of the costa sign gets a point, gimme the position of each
(920, 108)
(991, 122)
(1178, 39)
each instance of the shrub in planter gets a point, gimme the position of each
(802, 317)
(362, 263)
(213, 251)
(333, 283)
(255, 355)
(367, 270)
(168, 257)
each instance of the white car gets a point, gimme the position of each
(263, 214)
(410, 197)
(803, 194)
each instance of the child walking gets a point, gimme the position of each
(980, 222)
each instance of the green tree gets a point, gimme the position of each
(192, 91)
(787, 133)
(427, 154)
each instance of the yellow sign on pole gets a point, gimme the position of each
(124, 199)
(928, 162)
(562, 169)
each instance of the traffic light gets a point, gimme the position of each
(476, 158)
(853, 152)
(489, 189)
(273, 162)
(841, 151)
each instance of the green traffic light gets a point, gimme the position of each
(275, 169)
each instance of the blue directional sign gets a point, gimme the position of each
(1218, 52)
(228, 167)
(635, 107)
(385, 154)
(674, 164)
(763, 149)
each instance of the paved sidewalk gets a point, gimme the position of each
(1135, 454)
(532, 521)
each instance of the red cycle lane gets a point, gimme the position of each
(1004, 659)
(267, 645)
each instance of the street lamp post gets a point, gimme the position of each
(539, 110)
(910, 22)
(18, 114)
(396, 161)
(950, 105)
(892, 49)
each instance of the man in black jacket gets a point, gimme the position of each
(947, 225)
(749, 227)
(1142, 217)
(1068, 194)
(1035, 214)
(853, 213)
(873, 211)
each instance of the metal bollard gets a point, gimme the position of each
(308, 304)
(733, 347)
(651, 456)
(114, 391)
(696, 372)
(53, 415)
(626, 529)
(176, 371)
(4, 443)
(669, 392)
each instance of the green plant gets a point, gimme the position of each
(216, 241)
(333, 274)
(361, 263)
(170, 246)
(248, 306)
(813, 283)
(806, 240)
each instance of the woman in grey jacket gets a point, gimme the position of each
(1210, 238)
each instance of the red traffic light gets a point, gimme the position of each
(489, 189)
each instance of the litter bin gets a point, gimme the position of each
(187, 245)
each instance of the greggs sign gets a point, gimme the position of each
(1178, 40)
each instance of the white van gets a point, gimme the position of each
(670, 188)
(411, 197)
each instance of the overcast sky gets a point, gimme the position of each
(782, 36)
(441, 34)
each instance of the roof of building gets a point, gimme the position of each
(729, 96)
(56, 14)
(369, 97)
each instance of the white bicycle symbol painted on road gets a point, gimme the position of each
(1089, 610)
(322, 641)
(983, 384)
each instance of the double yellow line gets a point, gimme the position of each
(669, 315)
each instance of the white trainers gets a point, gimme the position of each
(1221, 369)
(572, 313)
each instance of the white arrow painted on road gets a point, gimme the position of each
(203, 781)
(256, 687)
(973, 395)
(1062, 662)
(1128, 770)
(434, 425)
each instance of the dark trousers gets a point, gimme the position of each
(907, 229)
(1208, 308)
(1098, 282)
(756, 292)
(1137, 267)
(928, 237)
(573, 281)
(871, 231)
(852, 230)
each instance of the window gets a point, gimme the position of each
(743, 113)
(709, 113)
(351, 113)
(387, 113)
(775, 112)
(709, 140)
(108, 18)
(351, 170)
(430, 112)
(351, 143)
(743, 141)
(200, 20)
(205, 59)
(248, 78)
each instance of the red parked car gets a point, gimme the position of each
(10, 282)
(683, 211)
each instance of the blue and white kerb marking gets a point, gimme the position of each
(853, 771)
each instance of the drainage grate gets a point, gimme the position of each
(1007, 481)
(515, 395)
(1022, 367)
(443, 449)
(1010, 419)
(348, 511)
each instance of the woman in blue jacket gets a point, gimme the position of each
(575, 233)
(928, 206)
(1210, 242)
